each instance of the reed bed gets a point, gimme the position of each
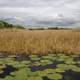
(15, 41)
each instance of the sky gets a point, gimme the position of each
(42, 11)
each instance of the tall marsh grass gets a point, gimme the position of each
(16, 41)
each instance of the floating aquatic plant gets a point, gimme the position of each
(11, 56)
(70, 61)
(55, 76)
(63, 56)
(21, 74)
(46, 62)
(35, 58)
(34, 74)
(47, 71)
(47, 57)
(52, 55)
(59, 70)
(60, 54)
(41, 73)
(75, 68)
(2, 61)
(74, 56)
(63, 66)
(1, 68)
(25, 62)
(78, 62)
(35, 64)
(24, 71)
(18, 65)
(60, 59)
(8, 78)
(1, 71)
(35, 78)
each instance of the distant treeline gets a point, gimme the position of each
(50, 28)
(4, 24)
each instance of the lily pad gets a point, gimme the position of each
(55, 76)
(47, 71)
(8, 78)
(45, 62)
(35, 58)
(42, 73)
(21, 74)
(75, 68)
(59, 70)
(63, 66)
(35, 78)
(35, 64)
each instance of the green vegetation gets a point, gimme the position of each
(25, 70)
(6, 25)
(54, 76)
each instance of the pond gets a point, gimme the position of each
(46, 67)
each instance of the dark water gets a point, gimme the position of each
(21, 57)
(68, 75)
(7, 71)
(71, 75)
(51, 66)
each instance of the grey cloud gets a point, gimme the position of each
(38, 11)
(26, 3)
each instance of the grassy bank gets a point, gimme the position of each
(15, 41)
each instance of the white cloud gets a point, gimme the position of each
(41, 9)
